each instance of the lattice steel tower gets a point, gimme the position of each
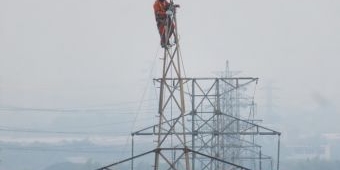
(213, 134)
(171, 125)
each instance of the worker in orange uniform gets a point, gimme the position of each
(163, 11)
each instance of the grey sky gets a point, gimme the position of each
(91, 53)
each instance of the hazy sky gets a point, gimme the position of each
(94, 53)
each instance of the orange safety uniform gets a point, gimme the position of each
(160, 8)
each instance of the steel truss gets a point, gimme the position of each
(214, 134)
(214, 124)
(158, 150)
(218, 137)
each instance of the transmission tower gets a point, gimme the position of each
(171, 126)
(213, 134)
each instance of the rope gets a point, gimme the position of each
(142, 99)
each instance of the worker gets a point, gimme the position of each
(163, 11)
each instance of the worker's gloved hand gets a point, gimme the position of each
(169, 12)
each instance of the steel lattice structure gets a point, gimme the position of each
(213, 134)
(214, 125)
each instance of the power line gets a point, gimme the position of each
(27, 130)
(127, 110)
(52, 149)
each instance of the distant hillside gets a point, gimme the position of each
(72, 166)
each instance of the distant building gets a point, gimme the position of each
(328, 150)
(333, 140)
(308, 152)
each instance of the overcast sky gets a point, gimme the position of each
(95, 53)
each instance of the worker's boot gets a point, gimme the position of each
(163, 41)
(175, 41)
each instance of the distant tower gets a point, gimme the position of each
(172, 147)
